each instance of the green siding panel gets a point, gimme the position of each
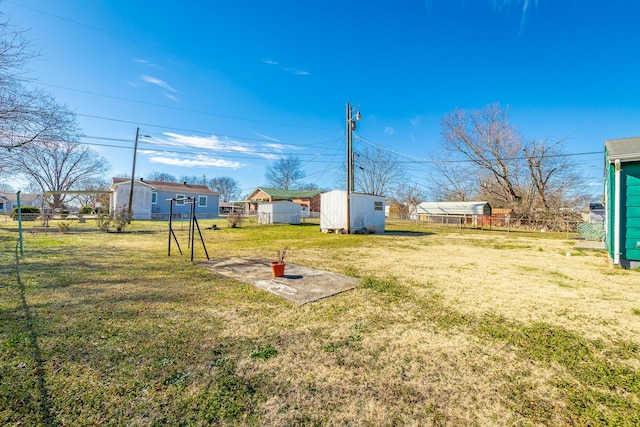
(632, 255)
(632, 213)
(633, 191)
(631, 243)
(633, 201)
(633, 233)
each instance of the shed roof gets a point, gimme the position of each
(623, 149)
(453, 208)
(281, 194)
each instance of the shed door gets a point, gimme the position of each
(631, 213)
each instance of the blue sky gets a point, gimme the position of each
(225, 87)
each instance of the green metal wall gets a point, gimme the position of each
(629, 211)
(630, 232)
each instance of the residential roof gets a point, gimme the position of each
(25, 198)
(623, 149)
(169, 186)
(453, 208)
(281, 194)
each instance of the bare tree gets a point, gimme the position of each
(452, 180)
(284, 173)
(193, 179)
(376, 171)
(492, 146)
(532, 178)
(228, 188)
(60, 166)
(95, 184)
(555, 182)
(307, 186)
(5, 187)
(26, 115)
(407, 198)
(161, 176)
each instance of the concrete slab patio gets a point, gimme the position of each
(300, 285)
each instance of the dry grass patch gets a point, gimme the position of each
(448, 328)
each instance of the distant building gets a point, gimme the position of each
(594, 213)
(8, 201)
(468, 213)
(309, 200)
(152, 199)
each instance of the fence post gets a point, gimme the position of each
(19, 223)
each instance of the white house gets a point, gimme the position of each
(151, 198)
(8, 201)
(366, 212)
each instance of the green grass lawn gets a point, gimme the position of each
(448, 327)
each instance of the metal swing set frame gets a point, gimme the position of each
(193, 225)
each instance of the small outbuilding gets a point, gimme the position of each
(366, 212)
(283, 212)
(467, 213)
(622, 201)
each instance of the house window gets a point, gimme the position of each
(154, 198)
(377, 206)
(202, 201)
(180, 200)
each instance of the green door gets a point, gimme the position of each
(630, 212)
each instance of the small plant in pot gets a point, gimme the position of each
(277, 266)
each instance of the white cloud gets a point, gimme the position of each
(171, 97)
(388, 130)
(415, 121)
(145, 62)
(270, 62)
(266, 137)
(199, 160)
(157, 82)
(297, 72)
(214, 144)
(207, 143)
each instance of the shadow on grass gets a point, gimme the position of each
(407, 233)
(46, 417)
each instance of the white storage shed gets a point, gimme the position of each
(366, 212)
(283, 212)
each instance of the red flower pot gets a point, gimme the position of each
(277, 268)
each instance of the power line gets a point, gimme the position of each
(175, 129)
(192, 151)
(91, 27)
(186, 110)
(428, 161)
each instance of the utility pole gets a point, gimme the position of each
(349, 170)
(351, 126)
(133, 174)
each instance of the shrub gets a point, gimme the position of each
(86, 210)
(29, 213)
(235, 219)
(118, 220)
(64, 227)
(104, 221)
